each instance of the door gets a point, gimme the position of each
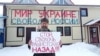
(94, 38)
(28, 33)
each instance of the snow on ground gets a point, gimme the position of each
(79, 49)
(76, 49)
(16, 51)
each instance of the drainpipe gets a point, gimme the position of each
(44, 12)
(81, 26)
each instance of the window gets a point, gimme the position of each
(83, 12)
(60, 29)
(20, 31)
(67, 31)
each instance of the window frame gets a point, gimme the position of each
(86, 12)
(68, 31)
(18, 28)
(62, 33)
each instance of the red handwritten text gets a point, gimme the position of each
(22, 13)
(45, 49)
(54, 13)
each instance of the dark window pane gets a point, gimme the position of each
(84, 12)
(60, 29)
(67, 31)
(20, 31)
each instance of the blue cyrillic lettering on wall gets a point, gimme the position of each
(14, 21)
(30, 21)
(52, 21)
(24, 21)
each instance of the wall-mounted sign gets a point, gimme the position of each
(26, 17)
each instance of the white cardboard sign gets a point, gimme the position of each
(45, 42)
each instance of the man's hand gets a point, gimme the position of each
(30, 42)
(60, 43)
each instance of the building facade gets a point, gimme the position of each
(77, 23)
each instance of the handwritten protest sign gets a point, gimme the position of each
(45, 42)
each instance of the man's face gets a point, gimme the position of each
(44, 24)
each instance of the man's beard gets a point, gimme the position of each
(44, 27)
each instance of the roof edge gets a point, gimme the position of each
(47, 4)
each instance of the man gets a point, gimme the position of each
(44, 28)
(44, 25)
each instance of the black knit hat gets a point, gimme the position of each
(44, 20)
